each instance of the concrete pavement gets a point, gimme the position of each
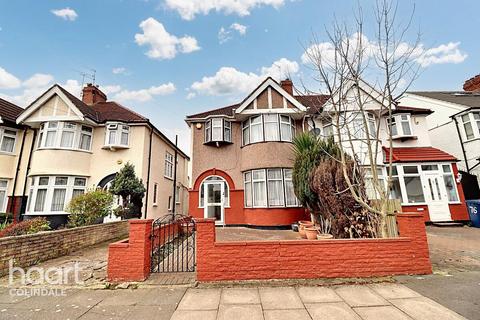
(374, 301)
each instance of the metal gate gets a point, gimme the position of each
(173, 244)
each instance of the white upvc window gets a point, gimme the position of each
(8, 139)
(372, 124)
(155, 194)
(270, 188)
(3, 195)
(218, 130)
(471, 125)
(64, 135)
(169, 159)
(51, 194)
(117, 135)
(400, 125)
(268, 127)
(178, 194)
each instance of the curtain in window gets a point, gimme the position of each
(259, 188)
(227, 133)
(275, 188)
(50, 138)
(124, 139)
(111, 136)
(290, 198)
(85, 141)
(58, 199)
(77, 192)
(67, 139)
(3, 194)
(271, 127)
(256, 131)
(7, 144)
(286, 128)
(217, 129)
(40, 200)
(406, 125)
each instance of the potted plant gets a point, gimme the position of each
(311, 232)
(324, 228)
(301, 227)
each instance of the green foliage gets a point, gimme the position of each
(89, 208)
(26, 227)
(130, 188)
(309, 150)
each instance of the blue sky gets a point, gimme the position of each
(166, 60)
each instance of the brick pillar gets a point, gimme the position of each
(205, 247)
(129, 260)
(412, 225)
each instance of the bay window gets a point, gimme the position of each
(471, 125)
(51, 194)
(3, 195)
(268, 127)
(218, 130)
(8, 137)
(269, 188)
(64, 135)
(400, 125)
(117, 135)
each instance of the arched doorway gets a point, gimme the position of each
(214, 197)
(105, 184)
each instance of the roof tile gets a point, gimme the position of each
(417, 154)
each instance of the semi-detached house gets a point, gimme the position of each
(242, 158)
(73, 145)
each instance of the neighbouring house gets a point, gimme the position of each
(82, 144)
(455, 127)
(242, 158)
(15, 145)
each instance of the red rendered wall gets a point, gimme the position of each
(303, 259)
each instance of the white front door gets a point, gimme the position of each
(436, 196)
(214, 201)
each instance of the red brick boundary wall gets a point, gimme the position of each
(304, 259)
(27, 250)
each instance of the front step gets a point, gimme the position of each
(447, 224)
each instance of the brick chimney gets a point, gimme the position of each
(92, 94)
(472, 84)
(287, 85)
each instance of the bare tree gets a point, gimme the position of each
(342, 66)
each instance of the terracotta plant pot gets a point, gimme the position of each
(311, 233)
(324, 236)
(301, 227)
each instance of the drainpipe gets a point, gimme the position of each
(148, 172)
(174, 203)
(461, 144)
(16, 218)
(29, 162)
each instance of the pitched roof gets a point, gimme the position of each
(9, 111)
(465, 98)
(417, 154)
(313, 103)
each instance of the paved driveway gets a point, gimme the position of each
(376, 301)
(455, 283)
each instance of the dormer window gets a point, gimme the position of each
(117, 135)
(64, 135)
(218, 130)
(400, 126)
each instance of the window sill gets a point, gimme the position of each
(56, 213)
(168, 178)
(217, 143)
(471, 140)
(114, 147)
(155, 205)
(404, 138)
(259, 142)
(4, 153)
(64, 149)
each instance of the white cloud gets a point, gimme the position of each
(38, 80)
(188, 9)
(143, 95)
(191, 95)
(445, 53)
(66, 14)
(110, 89)
(226, 34)
(239, 27)
(163, 45)
(228, 80)
(8, 80)
(119, 70)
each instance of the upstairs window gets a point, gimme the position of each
(3, 195)
(8, 139)
(64, 135)
(218, 130)
(268, 127)
(117, 135)
(169, 165)
(400, 125)
(471, 125)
